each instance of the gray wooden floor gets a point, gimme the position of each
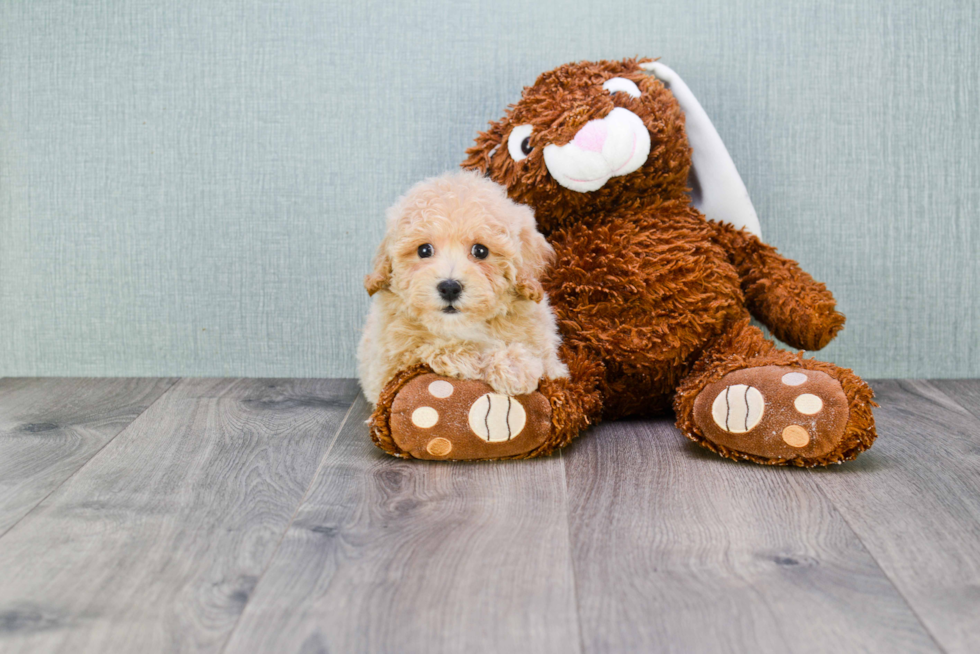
(159, 515)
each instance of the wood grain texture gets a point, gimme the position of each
(157, 544)
(388, 555)
(49, 428)
(965, 392)
(232, 515)
(914, 500)
(678, 550)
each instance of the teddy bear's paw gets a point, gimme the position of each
(775, 412)
(434, 417)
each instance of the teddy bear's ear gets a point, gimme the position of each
(380, 277)
(717, 190)
(478, 155)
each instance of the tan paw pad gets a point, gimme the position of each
(440, 388)
(439, 447)
(794, 378)
(425, 417)
(796, 436)
(808, 404)
(738, 408)
(495, 417)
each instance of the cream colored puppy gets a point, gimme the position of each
(455, 286)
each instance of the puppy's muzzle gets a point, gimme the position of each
(449, 290)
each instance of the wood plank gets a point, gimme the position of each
(914, 500)
(388, 555)
(49, 428)
(965, 392)
(677, 549)
(157, 544)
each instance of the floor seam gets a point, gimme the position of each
(292, 519)
(925, 627)
(166, 392)
(950, 397)
(571, 558)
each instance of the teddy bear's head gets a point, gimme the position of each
(587, 137)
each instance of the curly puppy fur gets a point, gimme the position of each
(500, 329)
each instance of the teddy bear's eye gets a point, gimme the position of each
(480, 251)
(622, 84)
(519, 142)
(425, 251)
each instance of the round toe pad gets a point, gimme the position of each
(437, 418)
(776, 412)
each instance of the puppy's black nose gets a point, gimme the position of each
(449, 289)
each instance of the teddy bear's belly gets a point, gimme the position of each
(645, 299)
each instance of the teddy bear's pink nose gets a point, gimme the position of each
(592, 136)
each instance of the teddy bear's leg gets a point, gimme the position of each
(424, 416)
(747, 399)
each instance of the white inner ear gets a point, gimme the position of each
(622, 84)
(517, 136)
(717, 189)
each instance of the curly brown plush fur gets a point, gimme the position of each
(380, 422)
(652, 299)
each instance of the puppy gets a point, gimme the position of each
(455, 286)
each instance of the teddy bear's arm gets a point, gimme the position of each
(799, 310)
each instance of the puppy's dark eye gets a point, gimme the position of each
(526, 146)
(480, 251)
(425, 251)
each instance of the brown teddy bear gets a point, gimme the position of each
(653, 298)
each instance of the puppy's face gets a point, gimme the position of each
(459, 252)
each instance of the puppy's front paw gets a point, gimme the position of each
(514, 370)
(459, 364)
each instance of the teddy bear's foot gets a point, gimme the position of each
(774, 413)
(433, 417)
(746, 399)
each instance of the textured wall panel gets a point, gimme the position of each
(196, 188)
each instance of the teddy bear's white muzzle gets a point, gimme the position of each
(609, 147)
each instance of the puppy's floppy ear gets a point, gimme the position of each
(380, 277)
(536, 254)
(529, 288)
(478, 155)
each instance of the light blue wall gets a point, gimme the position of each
(195, 187)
